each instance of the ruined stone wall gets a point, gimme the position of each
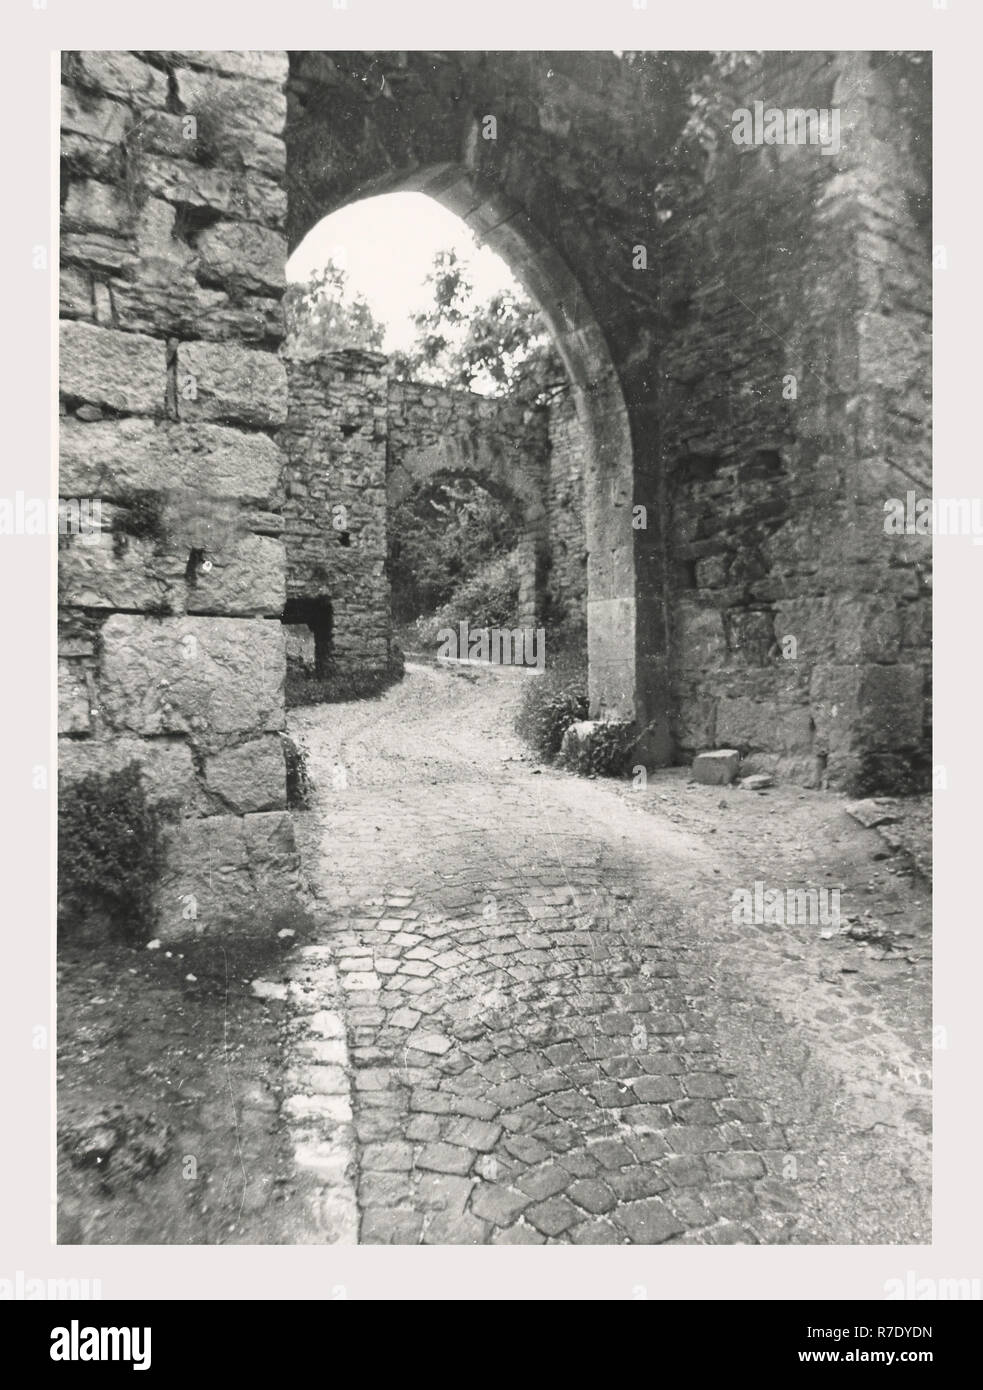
(171, 652)
(795, 400)
(335, 509)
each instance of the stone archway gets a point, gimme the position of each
(362, 125)
(185, 177)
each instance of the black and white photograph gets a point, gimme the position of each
(494, 623)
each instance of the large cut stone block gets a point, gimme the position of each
(121, 74)
(100, 571)
(166, 767)
(247, 579)
(192, 675)
(700, 641)
(718, 768)
(244, 255)
(221, 381)
(611, 657)
(764, 725)
(125, 371)
(94, 206)
(891, 699)
(92, 116)
(251, 777)
(265, 64)
(113, 458)
(231, 103)
(221, 190)
(226, 871)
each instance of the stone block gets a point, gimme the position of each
(221, 190)
(717, 768)
(74, 705)
(891, 703)
(74, 293)
(700, 640)
(120, 74)
(166, 767)
(231, 103)
(834, 703)
(114, 458)
(100, 571)
(192, 675)
(249, 578)
(840, 628)
(266, 65)
(225, 382)
(240, 254)
(227, 871)
(125, 371)
(766, 725)
(250, 777)
(96, 117)
(94, 206)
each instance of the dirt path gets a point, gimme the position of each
(533, 1018)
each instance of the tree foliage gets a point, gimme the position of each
(500, 347)
(437, 537)
(326, 314)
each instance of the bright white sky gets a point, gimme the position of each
(387, 246)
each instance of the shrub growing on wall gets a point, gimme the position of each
(110, 852)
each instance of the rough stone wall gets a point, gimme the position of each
(795, 402)
(335, 510)
(171, 652)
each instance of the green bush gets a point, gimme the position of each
(550, 703)
(110, 852)
(606, 752)
(488, 598)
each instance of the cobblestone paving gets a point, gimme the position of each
(519, 1029)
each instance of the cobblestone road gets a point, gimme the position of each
(531, 1019)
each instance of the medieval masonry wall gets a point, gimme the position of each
(171, 650)
(794, 404)
(335, 508)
